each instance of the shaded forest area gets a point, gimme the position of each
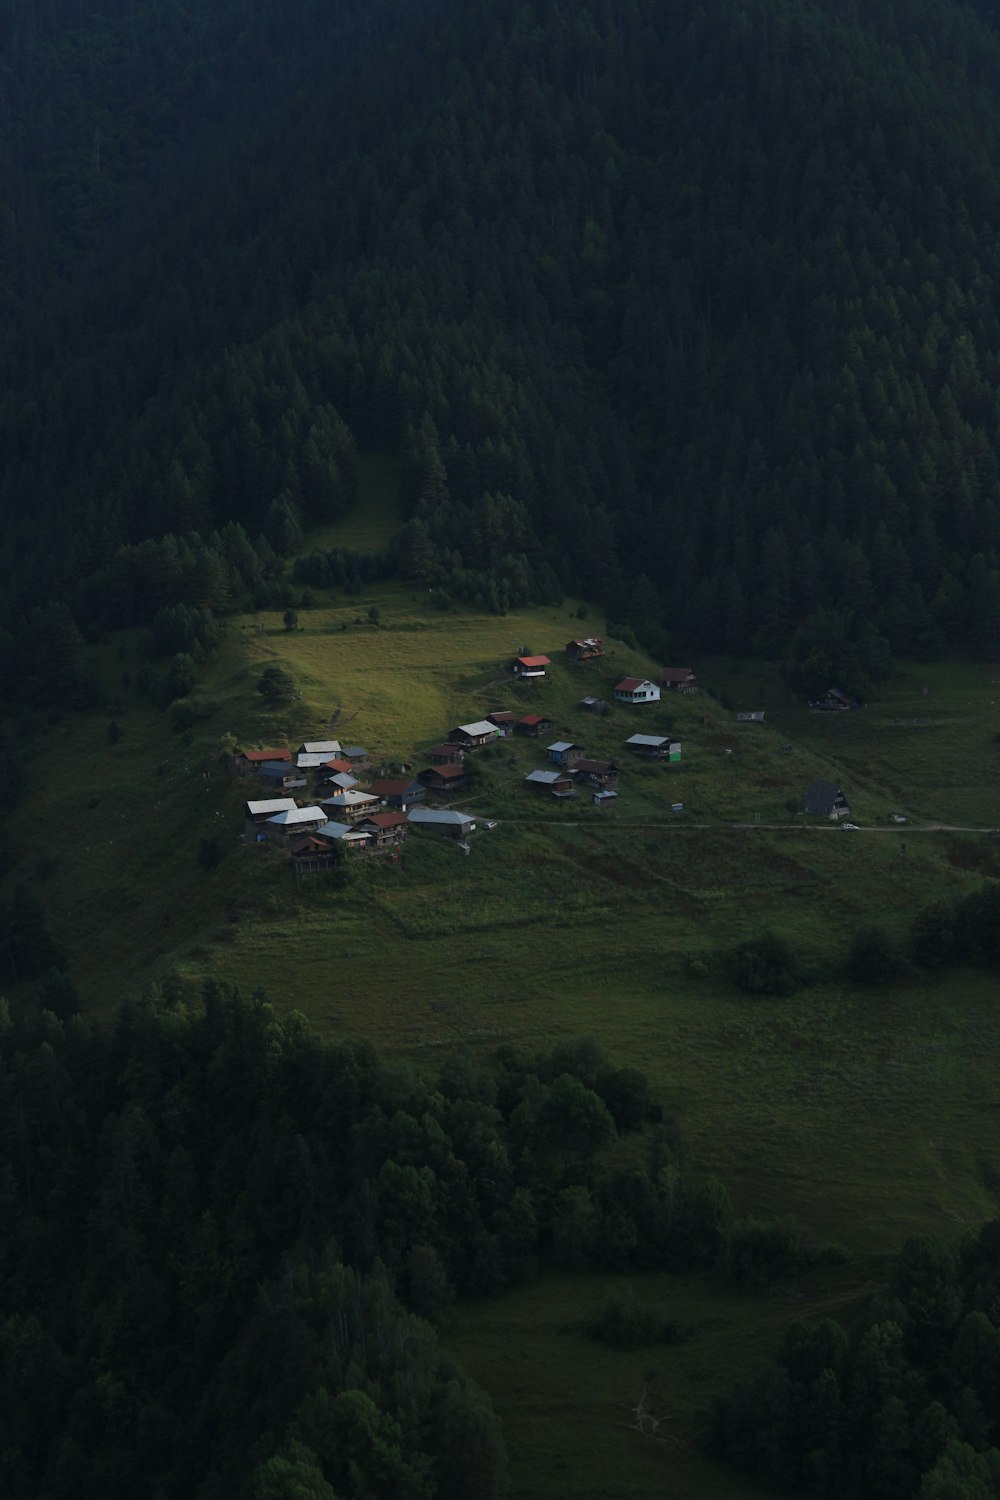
(690, 310)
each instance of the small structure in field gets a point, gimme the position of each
(450, 824)
(677, 680)
(750, 716)
(449, 778)
(824, 799)
(399, 794)
(600, 773)
(534, 725)
(249, 762)
(564, 753)
(473, 736)
(833, 701)
(585, 650)
(527, 667)
(593, 705)
(292, 824)
(604, 799)
(554, 783)
(654, 747)
(636, 690)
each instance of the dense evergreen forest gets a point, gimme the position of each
(688, 309)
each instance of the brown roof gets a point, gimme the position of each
(532, 719)
(390, 789)
(259, 756)
(675, 674)
(598, 767)
(446, 772)
(385, 820)
(501, 716)
(338, 765)
(629, 684)
(534, 661)
(309, 845)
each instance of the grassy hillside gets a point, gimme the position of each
(869, 1114)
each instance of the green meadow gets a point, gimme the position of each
(869, 1114)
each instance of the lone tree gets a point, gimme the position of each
(275, 685)
(873, 957)
(291, 619)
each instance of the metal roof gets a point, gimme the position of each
(298, 815)
(648, 739)
(339, 831)
(343, 780)
(259, 756)
(270, 805)
(311, 760)
(534, 661)
(546, 778)
(439, 816)
(349, 798)
(320, 747)
(355, 752)
(481, 726)
(562, 745)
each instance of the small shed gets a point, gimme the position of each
(833, 701)
(636, 690)
(603, 799)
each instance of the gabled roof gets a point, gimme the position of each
(308, 845)
(561, 745)
(501, 716)
(546, 778)
(534, 661)
(349, 798)
(355, 752)
(383, 820)
(383, 788)
(320, 747)
(338, 764)
(481, 726)
(258, 757)
(595, 767)
(344, 780)
(632, 684)
(270, 806)
(340, 831)
(275, 768)
(447, 773)
(675, 674)
(298, 815)
(440, 816)
(312, 760)
(533, 719)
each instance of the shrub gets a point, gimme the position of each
(873, 957)
(760, 1251)
(763, 966)
(623, 1323)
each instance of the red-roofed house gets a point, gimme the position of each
(249, 762)
(385, 828)
(443, 755)
(444, 778)
(636, 690)
(586, 649)
(399, 794)
(531, 666)
(534, 725)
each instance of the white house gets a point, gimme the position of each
(636, 690)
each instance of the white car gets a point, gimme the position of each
(853, 826)
(899, 818)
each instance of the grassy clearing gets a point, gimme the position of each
(868, 1114)
(376, 515)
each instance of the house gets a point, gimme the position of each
(351, 839)
(677, 680)
(319, 747)
(654, 746)
(338, 765)
(534, 725)
(557, 783)
(350, 805)
(833, 701)
(600, 773)
(355, 755)
(531, 666)
(824, 799)
(312, 855)
(636, 690)
(751, 716)
(399, 794)
(586, 649)
(504, 721)
(384, 829)
(450, 778)
(592, 705)
(280, 775)
(443, 755)
(473, 736)
(342, 780)
(564, 753)
(451, 825)
(312, 760)
(249, 762)
(292, 824)
(259, 812)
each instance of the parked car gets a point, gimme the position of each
(852, 826)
